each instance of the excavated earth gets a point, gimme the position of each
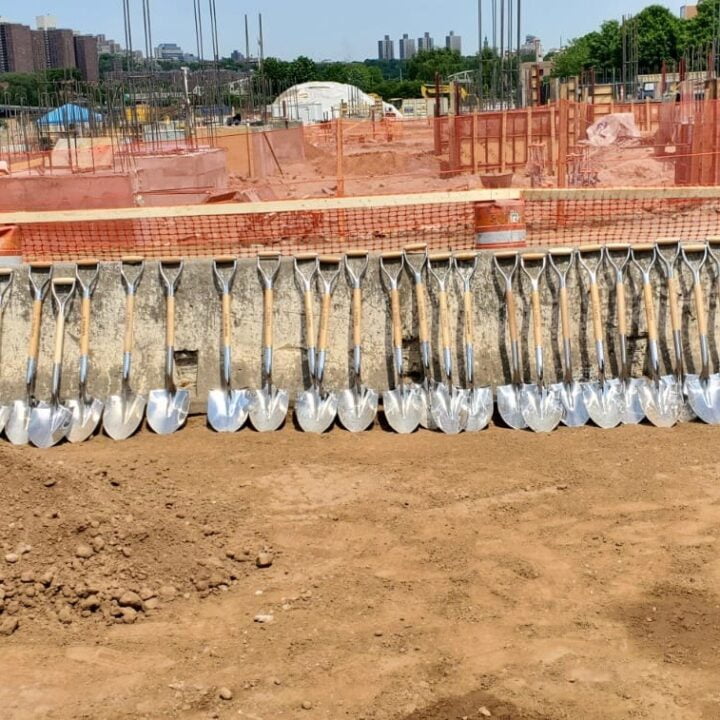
(501, 575)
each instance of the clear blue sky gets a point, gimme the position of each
(322, 29)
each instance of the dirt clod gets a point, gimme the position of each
(264, 559)
(225, 693)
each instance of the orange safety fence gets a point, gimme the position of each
(441, 220)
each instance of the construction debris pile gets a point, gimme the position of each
(437, 403)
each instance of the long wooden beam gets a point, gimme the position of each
(624, 193)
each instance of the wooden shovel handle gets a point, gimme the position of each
(621, 308)
(34, 350)
(396, 321)
(170, 322)
(564, 313)
(129, 323)
(596, 312)
(673, 292)
(700, 309)
(650, 311)
(537, 318)
(309, 319)
(324, 321)
(511, 315)
(357, 316)
(468, 317)
(423, 332)
(268, 297)
(444, 319)
(59, 338)
(85, 326)
(226, 319)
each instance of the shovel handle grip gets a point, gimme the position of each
(673, 292)
(621, 308)
(357, 316)
(444, 319)
(536, 318)
(511, 315)
(85, 326)
(309, 319)
(596, 312)
(564, 313)
(396, 321)
(650, 312)
(170, 322)
(324, 321)
(423, 332)
(129, 323)
(468, 317)
(700, 309)
(226, 320)
(268, 297)
(35, 322)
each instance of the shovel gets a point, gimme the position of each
(509, 396)
(227, 408)
(668, 265)
(603, 397)
(403, 405)
(448, 402)
(416, 258)
(270, 406)
(618, 256)
(306, 268)
(703, 390)
(16, 428)
(575, 414)
(541, 406)
(6, 280)
(660, 396)
(479, 399)
(357, 406)
(50, 422)
(167, 408)
(315, 408)
(124, 412)
(86, 410)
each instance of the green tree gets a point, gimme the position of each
(658, 36)
(425, 64)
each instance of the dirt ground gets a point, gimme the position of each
(423, 577)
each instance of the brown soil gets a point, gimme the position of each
(503, 575)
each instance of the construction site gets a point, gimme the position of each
(311, 408)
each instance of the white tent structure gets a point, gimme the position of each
(317, 101)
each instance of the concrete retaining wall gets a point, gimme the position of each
(198, 331)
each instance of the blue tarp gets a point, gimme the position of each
(69, 114)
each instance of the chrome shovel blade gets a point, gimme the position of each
(449, 409)
(85, 418)
(123, 415)
(604, 403)
(542, 408)
(632, 412)
(480, 409)
(509, 406)
(167, 411)
(662, 402)
(575, 413)
(704, 397)
(4, 415)
(403, 409)
(269, 409)
(357, 411)
(227, 411)
(426, 418)
(314, 413)
(49, 424)
(16, 427)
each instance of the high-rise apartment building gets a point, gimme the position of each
(39, 50)
(453, 42)
(425, 43)
(86, 57)
(386, 49)
(107, 46)
(406, 47)
(60, 45)
(16, 54)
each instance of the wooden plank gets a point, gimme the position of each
(629, 193)
(279, 206)
(503, 138)
(474, 143)
(562, 144)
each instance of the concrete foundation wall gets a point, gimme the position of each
(198, 331)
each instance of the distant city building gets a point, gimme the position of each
(237, 56)
(106, 46)
(406, 47)
(16, 54)
(453, 42)
(386, 49)
(687, 12)
(532, 46)
(169, 51)
(46, 22)
(39, 49)
(425, 43)
(86, 57)
(60, 44)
